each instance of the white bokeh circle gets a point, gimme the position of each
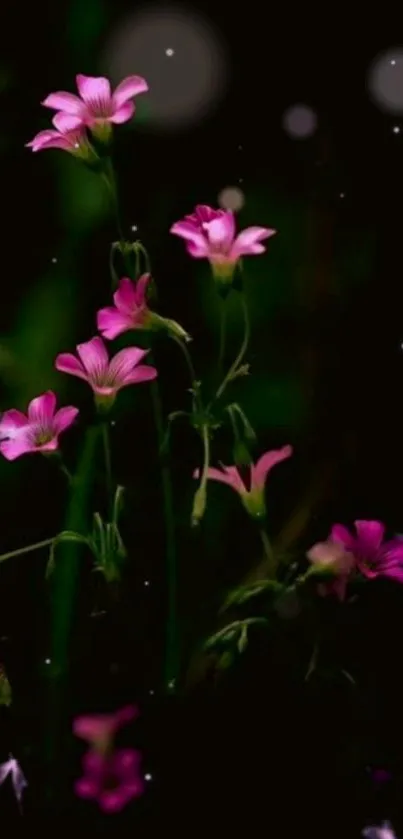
(182, 58)
(385, 80)
(231, 198)
(300, 121)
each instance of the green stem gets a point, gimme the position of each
(244, 346)
(223, 330)
(199, 503)
(108, 464)
(188, 361)
(109, 178)
(268, 550)
(28, 549)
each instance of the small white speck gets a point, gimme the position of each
(134, 228)
(47, 660)
(342, 195)
(151, 692)
(76, 145)
(113, 422)
(169, 52)
(240, 181)
(54, 259)
(148, 777)
(393, 62)
(146, 583)
(171, 684)
(239, 148)
(396, 129)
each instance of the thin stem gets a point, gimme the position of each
(108, 464)
(186, 354)
(223, 331)
(109, 178)
(268, 550)
(244, 346)
(199, 502)
(206, 458)
(28, 549)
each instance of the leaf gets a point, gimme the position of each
(243, 640)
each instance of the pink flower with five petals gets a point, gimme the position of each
(253, 498)
(112, 780)
(211, 234)
(97, 106)
(131, 311)
(100, 729)
(68, 134)
(106, 377)
(374, 557)
(37, 432)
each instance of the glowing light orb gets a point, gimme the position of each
(231, 198)
(183, 89)
(385, 80)
(300, 121)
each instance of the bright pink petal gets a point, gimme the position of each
(342, 535)
(95, 729)
(41, 409)
(49, 140)
(393, 572)
(67, 102)
(125, 296)
(248, 241)
(221, 231)
(94, 357)
(63, 418)
(203, 213)
(96, 93)
(11, 421)
(127, 89)
(142, 373)
(123, 114)
(227, 475)
(190, 232)
(113, 801)
(265, 463)
(65, 123)
(111, 322)
(66, 362)
(94, 764)
(19, 445)
(369, 536)
(86, 788)
(198, 251)
(141, 289)
(122, 364)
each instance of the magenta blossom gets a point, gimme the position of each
(106, 377)
(96, 106)
(112, 780)
(131, 312)
(68, 134)
(12, 767)
(374, 557)
(333, 557)
(383, 831)
(99, 730)
(37, 432)
(253, 498)
(211, 234)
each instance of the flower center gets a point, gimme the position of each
(42, 435)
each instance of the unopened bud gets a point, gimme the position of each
(199, 505)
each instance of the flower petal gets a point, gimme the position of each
(123, 114)
(221, 231)
(96, 729)
(111, 322)
(67, 122)
(122, 364)
(63, 101)
(227, 475)
(260, 470)
(125, 296)
(198, 251)
(86, 788)
(94, 357)
(96, 93)
(248, 241)
(190, 232)
(342, 535)
(66, 362)
(141, 289)
(369, 536)
(49, 140)
(64, 417)
(142, 373)
(129, 87)
(41, 409)
(19, 445)
(11, 421)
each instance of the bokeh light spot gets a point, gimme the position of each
(300, 121)
(231, 198)
(183, 89)
(385, 80)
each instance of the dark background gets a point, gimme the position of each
(326, 304)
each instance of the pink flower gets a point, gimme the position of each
(333, 556)
(68, 134)
(37, 432)
(210, 234)
(112, 780)
(18, 780)
(106, 377)
(99, 730)
(374, 558)
(96, 106)
(131, 312)
(252, 498)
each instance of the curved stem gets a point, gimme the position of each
(244, 346)
(186, 354)
(28, 549)
(268, 550)
(223, 331)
